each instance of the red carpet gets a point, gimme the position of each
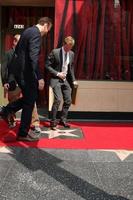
(95, 136)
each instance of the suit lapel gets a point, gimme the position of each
(60, 57)
(70, 57)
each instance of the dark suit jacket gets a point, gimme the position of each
(24, 65)
(5, 65)
(54, 65)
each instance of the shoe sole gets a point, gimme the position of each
(65, 126)
(53, 128)
(27, 140)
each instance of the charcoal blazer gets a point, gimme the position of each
(54, 65)
(25, 62)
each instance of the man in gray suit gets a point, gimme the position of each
(60, 66)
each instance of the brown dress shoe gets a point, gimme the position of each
(11, 121)
(11, 125)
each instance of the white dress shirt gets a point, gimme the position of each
(66, 61)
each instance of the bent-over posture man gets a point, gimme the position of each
(26, 71)
(12, 91)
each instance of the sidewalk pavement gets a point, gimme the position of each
(58, 174)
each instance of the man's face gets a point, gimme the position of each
(46, 28)
(68, 47)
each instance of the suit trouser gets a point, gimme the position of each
(26, 103)
(62, 89)
(15, 95)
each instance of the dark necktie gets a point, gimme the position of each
(65, 56)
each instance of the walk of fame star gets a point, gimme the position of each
(122, 154)
(63, 132)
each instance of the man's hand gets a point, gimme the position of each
(41, 84)
(6, 86)
(61, 75)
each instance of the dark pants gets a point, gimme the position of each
(62, 89)
(26, 103)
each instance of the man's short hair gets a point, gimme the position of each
(69, 40)
(44, 20)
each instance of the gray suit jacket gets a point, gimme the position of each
(54, 65)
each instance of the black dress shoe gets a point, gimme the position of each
(62, 123)
(27, 138)
(53, 125)
(3, 114)
(2, 111)
(34, 133)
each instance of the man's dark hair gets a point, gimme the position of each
(44, 20)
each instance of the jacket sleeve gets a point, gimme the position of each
(4, 69)
(34, 50)
(50, 62)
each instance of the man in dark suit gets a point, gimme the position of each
(12, 90)
(60, 66)
(25, 69)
